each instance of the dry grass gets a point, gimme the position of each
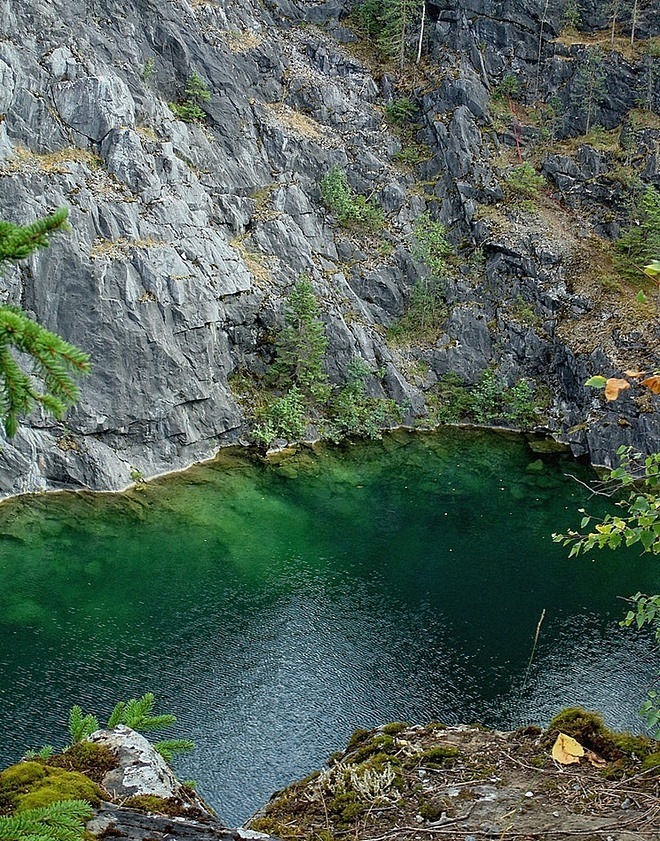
(257, 264)
(642, 118)
(50, 163)
(296, 121)
(242, 41)
(603, 141)
(263, 211)
(615, 307)
(571, 37)
(119, 249)
(147, 133)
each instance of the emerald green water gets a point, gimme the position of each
(276, 608)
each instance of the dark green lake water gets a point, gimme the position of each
(276, 608)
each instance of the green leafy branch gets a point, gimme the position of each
(641, 523)
(638, 476)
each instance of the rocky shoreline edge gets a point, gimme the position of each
(398, 781)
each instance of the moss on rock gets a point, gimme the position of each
(30, 785)
(438, 755)
(589, 729)
(92, 760)
(157, 805)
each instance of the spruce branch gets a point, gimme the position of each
(168, 748)
(54, 360)
(19, 241)
(81, 726)
(137, 714)
(60, 821)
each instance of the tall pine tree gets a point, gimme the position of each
(52, 362)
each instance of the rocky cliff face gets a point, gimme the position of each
(185, 237)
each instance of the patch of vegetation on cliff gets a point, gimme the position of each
(455, 780)
(490, 401)
(352, 210)
(296, 396)
(640, 242)
(427, 308)
(189, 107)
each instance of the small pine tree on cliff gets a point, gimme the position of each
(53, 361)
(301, 344)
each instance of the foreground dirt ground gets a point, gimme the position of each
(466, 783)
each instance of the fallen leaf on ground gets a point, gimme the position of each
(653, 384)
(614, 387)
(566, 750)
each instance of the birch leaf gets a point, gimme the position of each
(653, 384)
(596, 382)
(614, 387)
(566, 750)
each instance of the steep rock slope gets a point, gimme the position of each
(186, 236)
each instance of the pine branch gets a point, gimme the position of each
(19, 241)
(60, 821)
(81, 726)
(54, 360)
(168, 748)
(136, 714)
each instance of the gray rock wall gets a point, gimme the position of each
(185, 238)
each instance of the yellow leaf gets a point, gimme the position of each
(614, 387)
(566, 750)
(653, 384)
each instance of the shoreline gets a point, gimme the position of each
(290, 449)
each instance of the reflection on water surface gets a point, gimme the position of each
(276, 608)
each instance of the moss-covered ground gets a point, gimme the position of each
(413, 782)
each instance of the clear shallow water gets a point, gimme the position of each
(275, 609)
